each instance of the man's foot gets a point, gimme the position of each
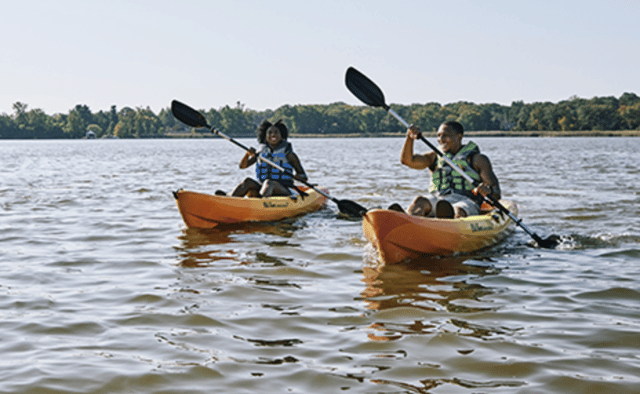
(444, 209)
(220, 193)
(396, 207)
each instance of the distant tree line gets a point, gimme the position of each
(574, 114)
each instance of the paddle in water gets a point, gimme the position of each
(193, 118)
(369, 93)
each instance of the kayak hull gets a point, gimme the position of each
(399, 237)
(199, 210)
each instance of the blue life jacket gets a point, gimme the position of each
(278, 155)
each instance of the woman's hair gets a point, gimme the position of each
(266, 125)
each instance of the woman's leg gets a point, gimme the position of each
(246, 186)
(274, 188)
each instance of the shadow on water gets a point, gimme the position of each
(202, 247)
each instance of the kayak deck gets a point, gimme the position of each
(398, 236)
(199, 210)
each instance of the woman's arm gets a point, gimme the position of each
(248, 159)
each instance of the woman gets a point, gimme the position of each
(271, 181)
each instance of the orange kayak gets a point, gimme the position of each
(398, 236)
(201, 210)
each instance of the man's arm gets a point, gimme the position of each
(490, 183)
(419, 162)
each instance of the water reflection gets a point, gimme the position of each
(201, 247)
(430, 384)
(442, 285)
(431, 284)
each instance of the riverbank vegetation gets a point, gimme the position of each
(575, 116)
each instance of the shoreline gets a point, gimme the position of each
(497, 133)
(592, 133)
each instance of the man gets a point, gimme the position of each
(450, 195)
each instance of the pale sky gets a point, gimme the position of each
(268, 53)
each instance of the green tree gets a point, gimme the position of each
(474, 117)
(8, 127)
(74, 127)
(499, 117)
(307, 119)
(103, 119)
(599, 114)
(566, 118)
(629, 111)
(168, 121)
(370, 120)
(234, 122)
(125, 128)
(521, 116)
(146, 124)
(287, 113)
(426, 116)
(37, 123)
(20, 109)
(85, 114)
(340, 119)
(629, 99)
(213, 117)
(630, 115)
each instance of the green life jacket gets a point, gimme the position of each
(446, 180)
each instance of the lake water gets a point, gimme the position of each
(103, 289)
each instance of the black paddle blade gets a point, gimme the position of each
(351, 208)
(364, 88)
(188, 115)
(548, 243)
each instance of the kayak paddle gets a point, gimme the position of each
(369, 93)
(193, 118)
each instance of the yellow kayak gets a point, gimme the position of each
(399, 237)
(201, 210)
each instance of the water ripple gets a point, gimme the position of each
(103, 289)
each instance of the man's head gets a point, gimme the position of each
(450, 136)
